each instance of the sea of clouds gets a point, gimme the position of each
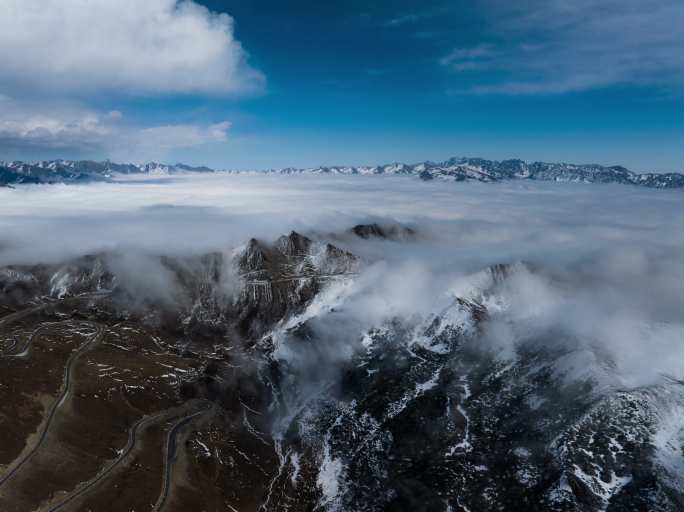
(611, 255)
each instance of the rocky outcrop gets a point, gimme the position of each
(388, 232)
(88, 274)
(281, 278)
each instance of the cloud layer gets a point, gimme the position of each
(77, 46)
(486, 223)
(607, 275)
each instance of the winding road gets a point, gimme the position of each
(170, 447)
(19, 315)
(104, 473)
(23, 350)
(137, 427)
(14, 351)
(64, 392)
(291, 278)
(170, 455)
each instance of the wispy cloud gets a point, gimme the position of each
(26, 128)
(467, 59)
(560, 46)
(402, 19)
(412, 17)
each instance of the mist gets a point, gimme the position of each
(607, 257)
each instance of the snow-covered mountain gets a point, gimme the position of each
(71, 171)
(454, 169)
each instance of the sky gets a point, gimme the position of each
(270, 84)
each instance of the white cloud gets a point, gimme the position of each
(611, 254)
(173, 136)
(559, 46)
(81, 46)
(402, 19)
(45, 131)
(466, 59)
(70, 128)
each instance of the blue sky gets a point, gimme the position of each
(278, 83)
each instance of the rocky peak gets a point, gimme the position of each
(253, 257)
(293, 245)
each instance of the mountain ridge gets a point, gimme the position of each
(404, 413)
(454, 169)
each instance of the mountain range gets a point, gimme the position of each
(454, 169)
(286, 406)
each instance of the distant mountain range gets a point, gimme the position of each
(454, 169)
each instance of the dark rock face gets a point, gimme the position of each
(18, 286)
(88, 274)
(9, 176)
(282, 278)
(425, 176)
(391, 232)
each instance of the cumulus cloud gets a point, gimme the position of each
(57, 55)
(562, 46)
(78, 46)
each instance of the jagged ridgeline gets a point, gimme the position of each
(247, 379)
(454, 169)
